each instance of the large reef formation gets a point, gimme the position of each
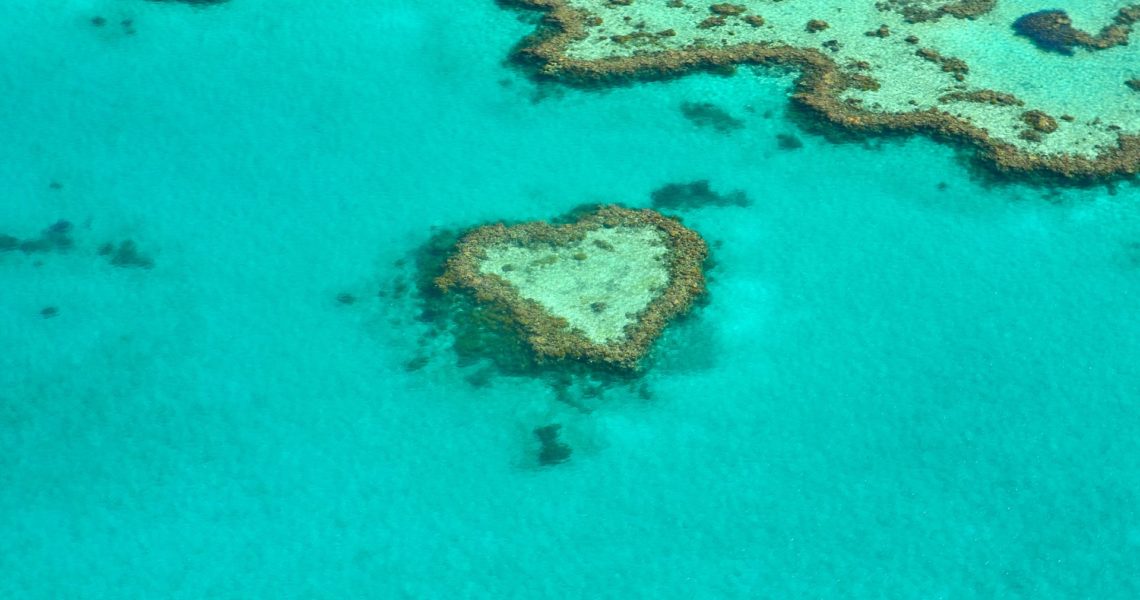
(598, 290)
(867, 69)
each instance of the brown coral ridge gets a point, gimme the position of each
(921, 11)
(983, 97)
(949, 64)
(1039, 121)
(1052, 30)
(817, 90)
(549, 336)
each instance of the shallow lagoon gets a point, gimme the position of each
(907, 383)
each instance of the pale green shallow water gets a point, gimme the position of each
(896, 391)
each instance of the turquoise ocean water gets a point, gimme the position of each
(908, 383)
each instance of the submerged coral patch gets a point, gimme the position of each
(54, 238)
(599, 289)
(787, 141)
(551, 451)
(695, 194)
(707, 114)
(125, 254)
(58, 238)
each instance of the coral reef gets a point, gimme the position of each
(551, 451)
(983, 97)
(921, 11)
(893, 94)
(706, 114)
(648, 271)
(728, 10)
(695, 194)
(1053, 30)
(481, 343)
(1039, 121)
(125, 254)
(816, 25)
(57, 238)
(787, 141)
(54, 238)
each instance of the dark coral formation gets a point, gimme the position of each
(1050, 30)
(125, 254)
(1053, 31)
(713, 21)
(968, 9)
(695, 194)
(983, 97)
(728, 10)
(816, 25)
(548, 336)
(754, 20)
(882, 32)
(552, 451)
(1039, 121)
(817, 92)
(706, 114)
(920, 11)
(949, 64)
(55, 238)
(787, 141)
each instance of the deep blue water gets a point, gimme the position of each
(899, 389)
